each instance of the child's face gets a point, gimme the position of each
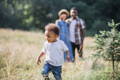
(50, 36)
(63, 16)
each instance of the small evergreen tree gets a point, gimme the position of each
(108, 46)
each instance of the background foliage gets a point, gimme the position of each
(108, 47)
(34, 14)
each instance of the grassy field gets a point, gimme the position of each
(19, 51)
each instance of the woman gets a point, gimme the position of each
(64, 29)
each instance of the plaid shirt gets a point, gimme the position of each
(78, 33)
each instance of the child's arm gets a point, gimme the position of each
(68, 55)
(38, 60)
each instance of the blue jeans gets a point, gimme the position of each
(56, 70)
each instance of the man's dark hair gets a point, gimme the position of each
(74, 8)
(52, 27)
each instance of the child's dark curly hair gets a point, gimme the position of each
(52, 27)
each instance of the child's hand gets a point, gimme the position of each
(38, 61)
(68, 58)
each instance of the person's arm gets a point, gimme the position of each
(39, 58)
(82, 32)
(82, 36)
(42, 53)
(66, 50)
(67, 56)
(57, 23)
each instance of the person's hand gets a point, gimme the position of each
(68, 58)
(39, 58)
(81, 50)
(81, 46)
(38, 61)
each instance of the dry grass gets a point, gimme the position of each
(19, 50)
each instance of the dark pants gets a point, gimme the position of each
(56, 70)
(74, 46)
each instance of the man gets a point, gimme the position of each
(76, 27)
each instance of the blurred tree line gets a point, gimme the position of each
(34, 14)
